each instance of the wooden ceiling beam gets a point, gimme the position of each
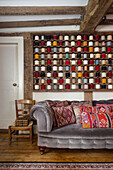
(107, 22)
(40, 23)
(95, 10)
(53, 10)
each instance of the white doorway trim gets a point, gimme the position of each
(20, 43)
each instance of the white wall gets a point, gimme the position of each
(102, 95)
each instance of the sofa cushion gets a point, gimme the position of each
(75, 131)
(95, 102)
(77, 108)
(64, 115)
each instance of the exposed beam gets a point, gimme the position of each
(53, 10)
(107, 22)
(40, 23)
(95, 10)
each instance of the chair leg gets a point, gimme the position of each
(10, 137)
(31, 136)
(42, 149)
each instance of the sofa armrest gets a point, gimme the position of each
(44, 116)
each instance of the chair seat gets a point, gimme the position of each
(22, 127)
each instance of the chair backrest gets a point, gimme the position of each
(23, 107)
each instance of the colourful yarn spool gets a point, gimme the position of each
(90, 49)
(79, 62)
(103, 55)
(60, 43)
(109, 49)
(48, 74)
(36, 87)
(91, 86)
(97, 80)
(36, 56)
(42, 43)
(67, 62)
(48, 62)
(37, 74)
(103, 80)
(97, 68)
(91, 61)
(54, 37)
(55, 74)
(73, 68)
(43, 87)
(85, 49)
(67, 86)
(54, 43)
(79, 74)
(96, 37)
(85, 74)
(84, 43)
(73, 49)
(49, 81)
(85, 37)
(48, 49)
(78, 43)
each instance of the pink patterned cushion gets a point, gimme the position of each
(64, 115)
(97, 117)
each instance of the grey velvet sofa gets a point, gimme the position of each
(71, 136)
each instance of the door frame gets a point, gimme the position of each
(20, 43)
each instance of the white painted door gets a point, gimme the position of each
(9, 74)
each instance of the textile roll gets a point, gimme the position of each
(91, 61)
(85, 74)
(110, 86)
(73, 62)
(36, 43)
(109, 61)
(54, 68)
(91, 86)
(85, 80)
(103, 55)
(72, 43)
(49, 68)
(97, 86)
(97, 55)
(103, 49)
(96, 49)
(109, 55)
(60, 68)
(54, 50)
(109, 49)
(109, 37)
(67, 74)
(84, 55)
(42, 81)
(73, 55)
(91, 80)
(86, 86)
(90, 49)
(85, 37)
(54, 43)
(91, 55)
(49, 81)
(36, 68)
(103, 61)
(60, 43)
(55, 37)
(79, 62)
(96, 37)
(67, 86)
(97, 68)
(48, 74)
(97, 80)
(60, 50)
(36, 56)
(103, 74)
(108, 43)
(91, 37)
(79, 80)
(36, 87)
(103, 68)
(84, 43)
(85, 62)
(85, 68)
(48, 62)
(61, 86)
(79, 74)
(103, 86)
(55, 87)
(55, 74)
(67, 81)
(90, 43)
(36, 74)
(85, 49)
(73, 86)
(60, 62)
(73, 49)
(109, 80)
(67, 49)
(48, 43)
(43, 68)
(55, 81)
(66, 37)
(55, 62)
(66, 55)
(91, 74)
(48, 49)
(97, 61)
(67, 62)
(66, 43)
(78, 43)
(104, 80)
(79, 37)
(74, 81)
(60, 37)
(103, 43)
(36, 37)
(48, 37)
(72, 37)
(61, 80)
(48, 87)
(42, 37)
(91, 68)
(97, 74)
(55, 56)
(36, 50)
(103, 37)
(60, 74)
(67, 68)
(73, 74)
(79, 49)
(43, 86)
(109, 74)
(80, 68)
(110, 68)
(60, 55)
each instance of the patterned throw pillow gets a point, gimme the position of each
(57, 104)
(78, 108)
(97, 117)
(64, 115)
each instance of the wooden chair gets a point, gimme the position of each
(22, 110)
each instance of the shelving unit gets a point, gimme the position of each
(61, 68)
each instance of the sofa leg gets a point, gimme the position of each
(42, 149)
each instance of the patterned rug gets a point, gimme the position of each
(54, 166)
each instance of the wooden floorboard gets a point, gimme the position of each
(22, 150)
